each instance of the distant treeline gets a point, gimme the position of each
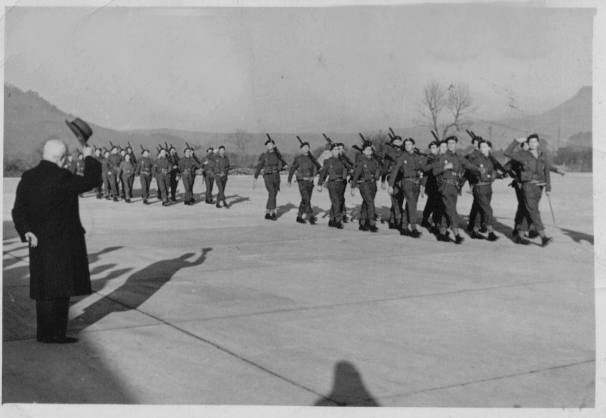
(571, 158)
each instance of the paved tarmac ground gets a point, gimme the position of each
(199, 305)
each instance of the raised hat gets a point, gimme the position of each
(80, 129)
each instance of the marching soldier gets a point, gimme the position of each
(449, 168)
(334, 173)
(105, 168)
(120, 180)
(162, 168)
(392, 154)
(208, 172)
(126, 173)
(365, 176)
(408, 169)
(173, 158)
(221, 171)
(145, 168)
(433, 203)
(112, 174)
(271, 163)
(481, 183)
(187, 168)
(306, 167)
(99, 157)
(349, 165)
(534, 177)
(475, 210)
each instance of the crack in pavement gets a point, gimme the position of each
(490, 379)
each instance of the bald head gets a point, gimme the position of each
(54, 151)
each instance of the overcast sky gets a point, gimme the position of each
(294, 69)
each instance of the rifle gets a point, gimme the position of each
(391, 133)
(310, 155)
(142, 149)
(471, 134)
(129, 145)
(435, 135)
(111, 145)
(328, 140)
(277, 151)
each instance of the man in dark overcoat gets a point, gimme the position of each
(46, 215)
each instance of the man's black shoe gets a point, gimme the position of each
(225, 205)
(442, 237)
(345, 220)
(426, 224)
(267, 215)
(373, 228)
(116, 199)
(545, 241)
(300, 220)
(274, 216)
(339, 225)
(492, 237)
(363, 226)
(483, 229)
(459, 239)
(415, 233)
(392, 225)
(218, 205)
(404, 231)
(533, 234)
(165, 204)
(517, 239)
(312, 220)
(57, 340)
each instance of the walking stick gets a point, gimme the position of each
(551, 209)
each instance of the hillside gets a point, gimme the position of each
(30, 120)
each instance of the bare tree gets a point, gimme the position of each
(455, 101)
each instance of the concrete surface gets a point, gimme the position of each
(198, 305)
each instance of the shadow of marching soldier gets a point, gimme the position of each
(348, 388)
(138, 288)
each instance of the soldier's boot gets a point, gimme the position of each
(373, 228)
(218, 205)
(517, 239)
(474, 234)
(338, 224)
(274, 216)
(415, 233)
(344, 219)
(267, 215)
(404, 231)
(300, 219)
(331, 223)
(545, 241)
(532, 233)
(363, 226)
(483, 229)
(458, 239)
(492, 236)
(145, 202)
(312, 220)
(116, 199)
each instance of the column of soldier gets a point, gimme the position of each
(120, 166)
(402, 169)
(406, 172)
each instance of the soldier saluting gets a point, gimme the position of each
(271, 163)
(534, 177)
(187, 168)
(365, 176)
(306, 167)
(334, 173)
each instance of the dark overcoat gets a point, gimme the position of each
(46, 204)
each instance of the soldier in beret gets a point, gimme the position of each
(105, 164)
(112, 174)
(433, 203)
(145, 168)
(187, 168)
(349, 165)
(449, 168)
(126, 173)
(208, 172)
(409, 168)
(162, 169)
(221, 171)
(392, 154)
(173, 177)
(534, 177)
(366, 174)
(306, 167)
(334, 174)
(271, 164)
